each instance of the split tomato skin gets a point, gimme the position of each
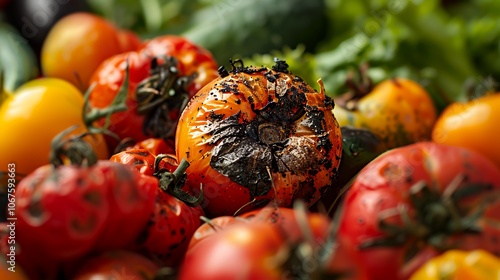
(398, 111)
(471, 125)
(382, 192)
(258, 134)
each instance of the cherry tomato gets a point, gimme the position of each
(131, 197)
(164, 74)
(241, 251)
(257, 135)
(460, 265)
(76, 45)
(471, 125)
(170, 229)
(212, 226)
(413, 199)
(32, 116)
(398, 111)
(193, 60)
(129, 40)
(118, 265)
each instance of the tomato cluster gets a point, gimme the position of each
(148, 159)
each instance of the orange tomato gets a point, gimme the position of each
(76, 45)
(471, 125)
(398, 111)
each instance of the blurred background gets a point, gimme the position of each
(450, 47)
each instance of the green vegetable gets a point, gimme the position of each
(18, 62)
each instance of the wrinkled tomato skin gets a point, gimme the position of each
(471, 125)
(155, 146)
(193, 59)
(140, 159)
(61, 212)
(242, 251)
(131, 197)
(241, 100)
(398, 111)
(119, 264)
(385, 183)
(170, 228)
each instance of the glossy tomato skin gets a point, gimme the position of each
(74, 47)
(398, 111)
(216, 224)
(238, 126)
(193, 59)
(155, 146)
(144, 161)
(381, 192)
(33, 115)
(119, 264)
(471, 125)
(170, 228)
(131, 197)
(241, 251)
(194, 66)
(457, 264)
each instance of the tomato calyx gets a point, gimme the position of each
(437, 217)
(164, 92)
(357, 88)
(172, 182)
(91, 114)
(73, 149)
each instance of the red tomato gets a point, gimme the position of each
(420, 198)
(170, 229)
(212, 226)
(241, 251)
(155, 146)
(161, 81)
(129, 40)
(117, 265)
(258, 135)
(131, 198)
(76, 45)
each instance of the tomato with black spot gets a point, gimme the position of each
(256, 135)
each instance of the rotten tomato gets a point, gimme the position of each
(414, 202)
(259, 134)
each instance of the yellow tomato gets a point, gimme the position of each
(460, 265)
(33, 115)
(398, 111)
(471, 125)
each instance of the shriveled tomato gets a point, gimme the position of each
(262, 134)
(66, 211)
(32, 116)
(76, 45)
(460, 265)
(471, 125)
(131, 197)
(160, 83)
(414, 202)
(117, 265)
(398, 111)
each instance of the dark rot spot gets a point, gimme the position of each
(142, 153)
(305, 191)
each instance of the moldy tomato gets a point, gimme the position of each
(259, 133)
(398, 111)
(471, 125)
(164, 73)
(412, 202)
